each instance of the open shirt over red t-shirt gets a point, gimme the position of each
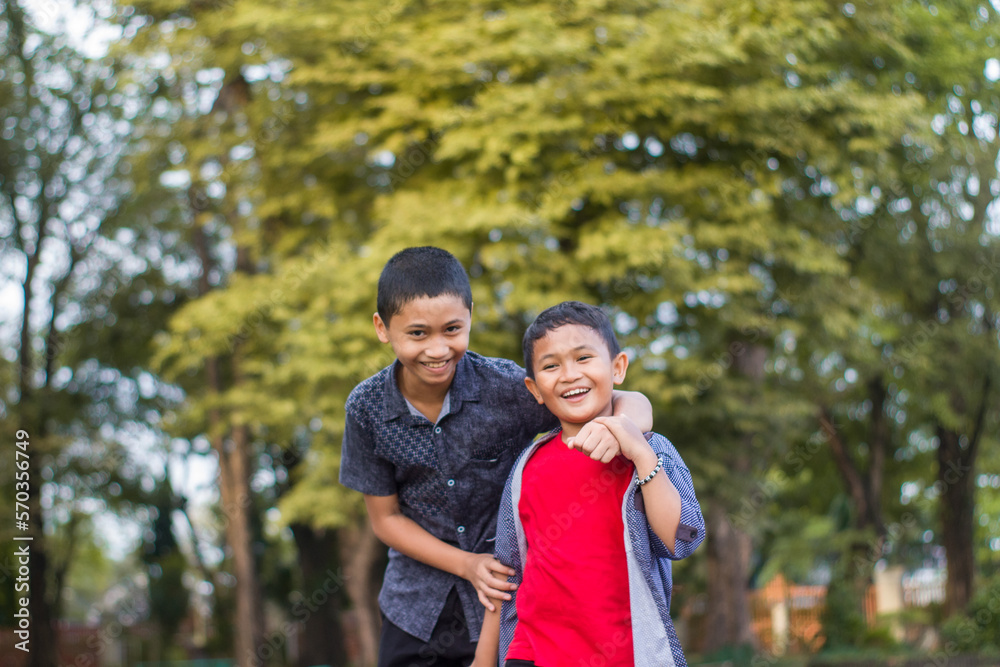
(573, 602)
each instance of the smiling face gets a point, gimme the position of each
(575, 375)
(428, 335)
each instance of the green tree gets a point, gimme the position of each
(856, 333)
(222, 125)
(80, 252)
(922, 245)
(694, 168)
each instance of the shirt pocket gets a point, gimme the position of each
(487, 472)
(492, 450)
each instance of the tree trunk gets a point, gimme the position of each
(44, 633)
(729, 547)
(231, 442)
(844, 616)
(863, 485)
(322, 580)
(31, 406)
(44, 638)
(956, 469)
(364, 558)
(957, 502)
(237, 503)
(728, 550)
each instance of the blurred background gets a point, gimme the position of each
(789, 209)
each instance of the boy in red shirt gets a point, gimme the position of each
(590, 537)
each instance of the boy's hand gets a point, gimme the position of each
(630, 439)
(596, 440)
(489, 576)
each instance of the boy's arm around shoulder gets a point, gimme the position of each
(635, 406)
(691, 527)
(597, 441)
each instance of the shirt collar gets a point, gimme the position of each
(445, 408)
(542, 438)
(464, 387)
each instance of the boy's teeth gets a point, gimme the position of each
(575, 392)
(438, 364)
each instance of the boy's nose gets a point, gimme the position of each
(570, 371)
(437, 349)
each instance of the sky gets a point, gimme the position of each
(78, 21)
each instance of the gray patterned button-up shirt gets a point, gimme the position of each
(449, 476)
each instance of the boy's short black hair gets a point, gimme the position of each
(568, 312)
(417, 272)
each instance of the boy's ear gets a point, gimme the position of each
(380, 329)
(618, 367)
(533, 388)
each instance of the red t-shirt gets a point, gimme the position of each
(573, 602)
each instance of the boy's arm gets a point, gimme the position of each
(597, 442)
(691, 530)
(635, 406)
(488, 648)
(486, 573)
(660, 497)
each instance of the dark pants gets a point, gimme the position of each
(449, 646)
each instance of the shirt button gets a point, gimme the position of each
(451, 482)
(461, 529)
(437, 429)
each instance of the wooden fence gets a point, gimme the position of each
(785, 618)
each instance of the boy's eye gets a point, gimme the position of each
(416, 334)
(548, 367)
(585, 357)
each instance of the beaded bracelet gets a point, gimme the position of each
(659, 465)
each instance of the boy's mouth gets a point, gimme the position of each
(573, 393)
(434, 365)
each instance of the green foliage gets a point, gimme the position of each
(168, 597)
(559, 155)
(843, 622)
(86, 284)
(978, 629)
(988, 502)
(92, 575)
(772, 199)
(732, 655)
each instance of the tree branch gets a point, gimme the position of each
(878, 437)
(845, 465)
(969, 456)
(51, 337)
(196, 552)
